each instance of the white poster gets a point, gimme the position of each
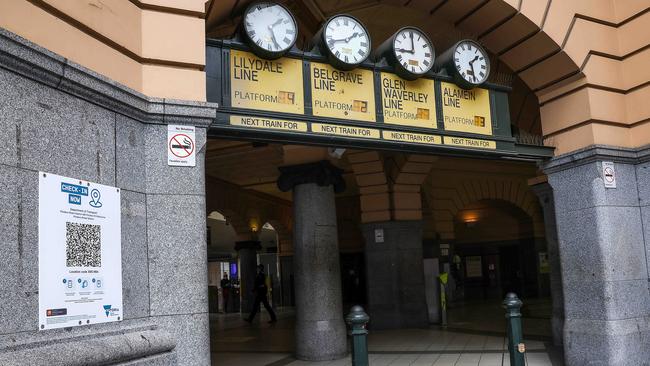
(79, 252)
(181, 147)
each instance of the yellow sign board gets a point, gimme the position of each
(417, 138)
(409, 103)
(466, 110)
(349, 131)
(267, 123)
(269, 85)
(342, 94)
(471, 143)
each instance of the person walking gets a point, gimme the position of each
(260, 296)
(225, 291)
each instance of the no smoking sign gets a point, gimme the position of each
(609, 174)
(181, 145)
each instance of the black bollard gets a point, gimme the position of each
(516, 346)
(357, 319)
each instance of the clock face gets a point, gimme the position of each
(413, 51)
(271, 27)
(471, 62)
(347, 39)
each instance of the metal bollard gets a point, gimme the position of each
(516, 346)
(357, 319)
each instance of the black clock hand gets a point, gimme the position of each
(346, 39)
(277, 22)
(355, 34)
(471, 71)
(275, 41)
(412, 44)
(404, 50)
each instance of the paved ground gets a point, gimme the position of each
(236, 343)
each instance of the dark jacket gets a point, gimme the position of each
(260, 284)
(225, 283)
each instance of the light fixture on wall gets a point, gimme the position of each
(253, 224)
(470, 218)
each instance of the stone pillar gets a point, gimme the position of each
(247, 251)
(603, 255)
(320, 330)
(395, 275)
(545, 195)
(80, 124)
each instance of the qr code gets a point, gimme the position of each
(83, 245)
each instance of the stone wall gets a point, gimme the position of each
(604, 247)
(58, 117)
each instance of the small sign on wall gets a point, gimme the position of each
(181, 145)
(379, 235)
(609, 174)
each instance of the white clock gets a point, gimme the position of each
(413, 52)
(471, 63)
(270, 29)
(346, 41)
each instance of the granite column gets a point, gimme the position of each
(320, 330)
(604, 255)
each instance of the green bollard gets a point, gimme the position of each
(357, 319)
(516, 346)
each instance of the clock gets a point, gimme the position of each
(346, 41)
(410, 51)
(269, 29)
(468, 63)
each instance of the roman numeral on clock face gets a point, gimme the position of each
(270, 28)
(346, 39)
(413, 45)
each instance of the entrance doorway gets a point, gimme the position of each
(496, 251)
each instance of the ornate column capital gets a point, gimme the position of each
(322, 173)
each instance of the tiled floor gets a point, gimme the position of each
(236, 343)
(455, 359)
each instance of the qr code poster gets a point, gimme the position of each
(79, 252)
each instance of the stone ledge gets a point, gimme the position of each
(37, 63)
(109, 347)
(595, 153)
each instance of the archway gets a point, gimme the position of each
(496, 251)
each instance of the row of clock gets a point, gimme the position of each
(271, 30)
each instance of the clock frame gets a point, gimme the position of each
(258, 49)
(321, 41)
(387, 51)
(446, 61)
